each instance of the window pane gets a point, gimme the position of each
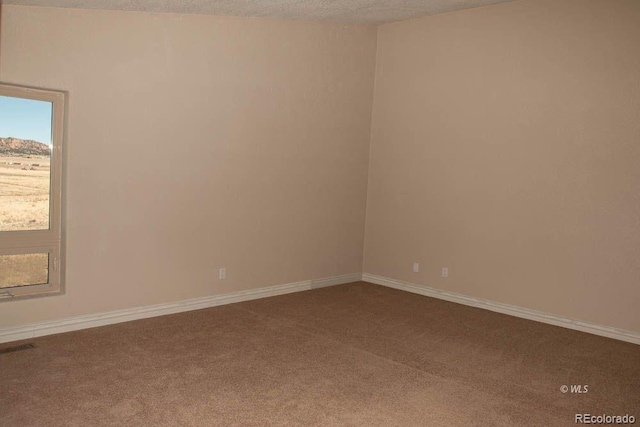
(24, 270)
(25, 159)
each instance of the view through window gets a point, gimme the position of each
(25, 163)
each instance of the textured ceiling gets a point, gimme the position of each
(341, 11)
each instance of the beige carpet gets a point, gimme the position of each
(357, 354)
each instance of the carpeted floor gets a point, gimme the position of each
(356, 354)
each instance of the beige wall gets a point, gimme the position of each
(506, 146)
(197, 142)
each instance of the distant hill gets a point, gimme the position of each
(21, 147)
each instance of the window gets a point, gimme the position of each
(31, 136)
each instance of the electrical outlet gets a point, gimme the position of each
(445, 271)
(416, 267)
(222, 273)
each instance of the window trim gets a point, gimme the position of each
(16, 242)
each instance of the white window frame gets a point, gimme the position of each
(18, 242)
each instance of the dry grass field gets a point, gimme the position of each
(23, 270)
(24, 205)
(24, 193)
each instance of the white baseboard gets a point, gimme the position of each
(15, 333)
(336, 280)
(32, 330)
(512, 310)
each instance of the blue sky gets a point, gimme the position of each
(25, 119)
